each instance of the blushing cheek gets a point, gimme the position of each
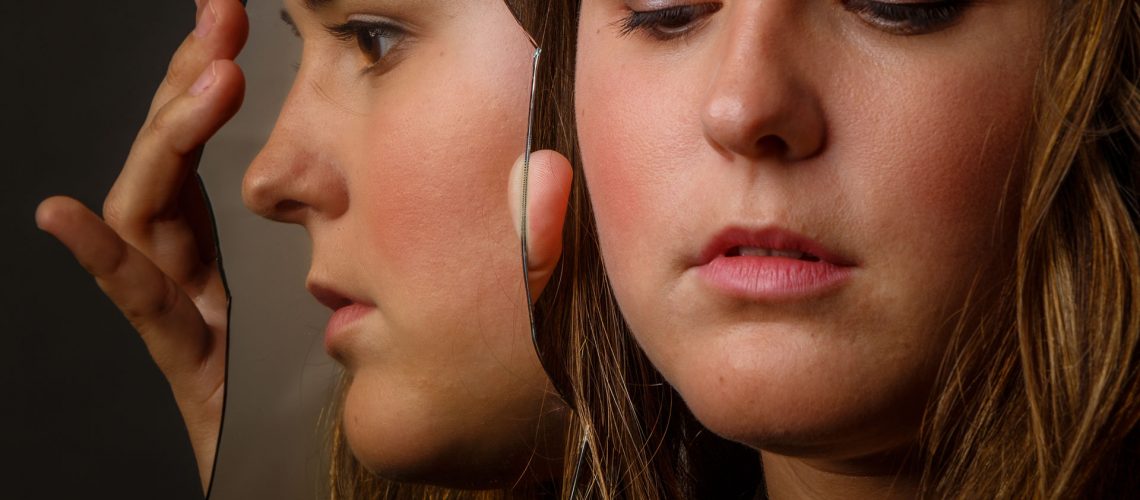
(631, 137)
(619, 202)
(430, 198)
(980, 137)
(612, 179)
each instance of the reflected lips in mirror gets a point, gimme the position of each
(346, 312)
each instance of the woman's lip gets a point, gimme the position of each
(773, 279)
(772, 238)
(341, 320)
(346, 311)
(759, 276)
(329, 297)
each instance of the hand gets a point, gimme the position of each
(154, 253)
(548, 192)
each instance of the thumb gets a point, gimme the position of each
(547, 194)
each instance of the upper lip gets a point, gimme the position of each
(331, 298)
(771, 237)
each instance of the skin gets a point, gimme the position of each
(398, 174)
(893, 150)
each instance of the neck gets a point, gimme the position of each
(797, 478)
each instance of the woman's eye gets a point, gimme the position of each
(908, 18)
(667, 23)
(374, 39)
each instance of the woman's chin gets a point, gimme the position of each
(402, 436)
(831, 411)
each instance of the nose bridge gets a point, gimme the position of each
(297, 174)
(759, 101)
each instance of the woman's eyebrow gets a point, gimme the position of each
(315, 5)
(289, 21)
(310, 5)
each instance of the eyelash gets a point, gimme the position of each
(369, 37)
(894, 18)
(667, 23)
(908, 18)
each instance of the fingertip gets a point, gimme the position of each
(45, 213)
(550, 160)
(552, 177)
(51, 212)
(229, 72)
(79, 229)
(219, 90)
(549, 192)
(185, 123)
(235, 17)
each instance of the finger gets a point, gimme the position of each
(194, 206)
(548, 192)
(220, 31)
(167, 320)
(190, 354)
(144, 203)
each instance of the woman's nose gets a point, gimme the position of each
(759, 102)
(296, 176)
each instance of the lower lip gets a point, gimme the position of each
(341, 320)
(773, 279)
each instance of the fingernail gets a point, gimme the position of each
(206, 22)
(205, 81)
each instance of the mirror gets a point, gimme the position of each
(90, 387)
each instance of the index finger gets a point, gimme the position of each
(220, 32)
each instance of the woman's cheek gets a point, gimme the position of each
(943, 166)
(610, 175)
(430, 194)
(633, 152)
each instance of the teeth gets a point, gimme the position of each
(767, 252)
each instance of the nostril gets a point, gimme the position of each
(771, 146)
(288, 206)
(288, 211)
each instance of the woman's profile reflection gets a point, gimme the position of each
(393, 150)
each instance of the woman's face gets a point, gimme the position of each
(393, 150)
(794, 198)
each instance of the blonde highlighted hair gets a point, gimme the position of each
(1043, 400)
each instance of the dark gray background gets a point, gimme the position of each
(85, 412)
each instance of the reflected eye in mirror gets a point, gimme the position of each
(415, 257)
(420, 124)
(374, 37)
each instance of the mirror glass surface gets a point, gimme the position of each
(89, 401)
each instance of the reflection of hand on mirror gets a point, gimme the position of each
(548, 192)
(153, 254)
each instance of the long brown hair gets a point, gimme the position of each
(1043, 399)
(554, 32)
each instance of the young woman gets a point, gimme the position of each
(393, 150)
(892, 246)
